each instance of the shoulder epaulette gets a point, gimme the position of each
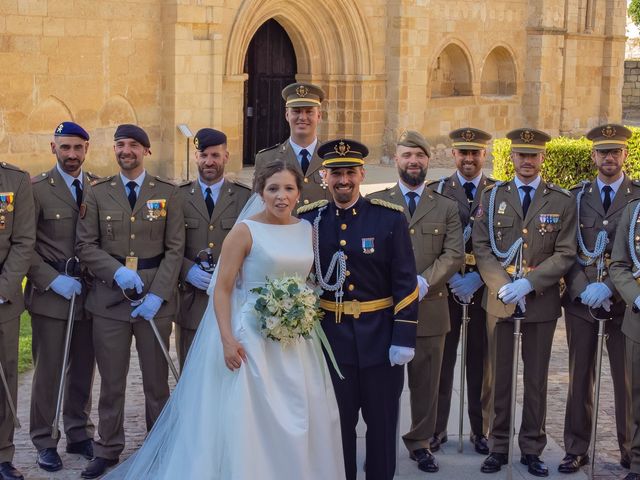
(580, 185)
(102, 180)
(8, 166)
(312, 206)
(269, 148)
(240, 184)
(384, 203)
(184, 183)
(493, 185)
(491, 179)
(432, 182)
(93, 176)
(556, 188)
(164, 180)
(39, 178)
(636, 182)
(379, 192)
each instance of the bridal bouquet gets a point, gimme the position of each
(287, 309)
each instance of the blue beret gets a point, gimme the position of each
(127, 130)
(208, 137)
(70, 129)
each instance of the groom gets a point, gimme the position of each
(370, 303)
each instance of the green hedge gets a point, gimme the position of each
(567, 162)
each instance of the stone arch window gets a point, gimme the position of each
(451, 73)
(498, 74)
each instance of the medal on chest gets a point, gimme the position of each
(368, 245)
(156, 209)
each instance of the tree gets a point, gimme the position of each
(634, 12)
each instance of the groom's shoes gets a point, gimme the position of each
(426, 460)
(49, 460)
(9, 472)
(494, 462)
(84, 448)
(535, 466)
(97, 467)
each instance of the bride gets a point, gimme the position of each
(245, 407)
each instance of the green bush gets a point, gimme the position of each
(567, 162)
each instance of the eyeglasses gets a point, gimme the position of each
(614, 152)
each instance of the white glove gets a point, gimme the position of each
(198, 277)
(400, 355)
(148, 308)
(465, 286)
(515, 291)
(423, 288)
(127, 278)
(66, 286)
(3, 300)
(595, 294)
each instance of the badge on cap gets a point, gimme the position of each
(367, 245)
(527, 136)
(342, 148)
(468, 135)
(60, 128)
(609, 131)
(196, 143)
(302, 91)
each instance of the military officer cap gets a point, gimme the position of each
(342, 153)
(302, 95)
(608, 136)
(208, 137)
(127, 130)
(71, 129)
(413, 139)
(528, 140)
(469, 139)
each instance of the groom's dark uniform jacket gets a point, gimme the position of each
(379, 309)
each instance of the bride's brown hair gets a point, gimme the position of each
(273, 167)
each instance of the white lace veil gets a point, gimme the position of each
(185, 441)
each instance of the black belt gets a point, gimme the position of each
(144, 263)
(72, 267)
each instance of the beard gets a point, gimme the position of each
(413, 180)
(128, 163)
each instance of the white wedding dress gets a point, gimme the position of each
(275, 418)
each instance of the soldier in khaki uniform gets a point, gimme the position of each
(53, 278)
(531, 223)
(436, 237)
(464, 186)
(17, 238)
(131, 236)
(211, 205)
(601, 204)
(625, 271)
(303, 101)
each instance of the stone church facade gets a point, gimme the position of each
(386, 65)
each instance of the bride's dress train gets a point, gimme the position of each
(275, 418)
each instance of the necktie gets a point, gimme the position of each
(606, 203)
(304, 162)
(412, 202)
(208, 199)
(78, 188)
(132, 193)
(468, 189)
(526, 201)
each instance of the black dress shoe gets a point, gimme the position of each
(494, 462)
(535, 466)
(9, 472)
(97, 467)
(49, 460)
(625, 461)
(480, 444)
(84, 448)
(571, 463)
(426, 460)
(632, 476)
(436, 441)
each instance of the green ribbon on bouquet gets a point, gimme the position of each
(325, 343)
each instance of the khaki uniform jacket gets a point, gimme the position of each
(592, 221)
(547, 256)
(622, 269)
(17, 238)
(436, 238)
(313, 180)
(203, 232)
(56, 214)
(108, 227)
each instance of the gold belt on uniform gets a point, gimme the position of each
(511, 270)
(469, 259)
(354, 307)
(607, 261)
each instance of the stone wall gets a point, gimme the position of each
(631, 88)
(387, 65)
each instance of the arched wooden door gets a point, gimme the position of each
(271, 66)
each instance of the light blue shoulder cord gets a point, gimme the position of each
(511, 252)
(601, 240)
(632, 246)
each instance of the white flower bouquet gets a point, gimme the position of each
(287, 309)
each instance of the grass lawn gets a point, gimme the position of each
(25, 361)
